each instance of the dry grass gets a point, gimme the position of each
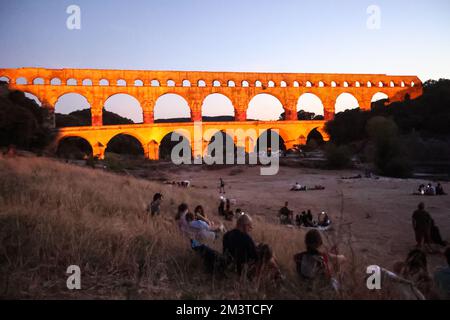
(53, 215)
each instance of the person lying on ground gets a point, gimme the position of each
(238, 246)
(442, 278)
(296, 187)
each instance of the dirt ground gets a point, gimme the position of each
(371, 217)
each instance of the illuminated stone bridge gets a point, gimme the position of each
(48, 85)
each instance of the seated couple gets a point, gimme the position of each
(306, 220)
(197, 225)
(241, 254)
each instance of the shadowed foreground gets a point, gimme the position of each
(53, 215)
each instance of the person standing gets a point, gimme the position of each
(422, 222)
(221, 186)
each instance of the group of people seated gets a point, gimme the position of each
(183, 184)
(304, 219)
(298, 187)
(196, 225)
(225, 210)
(430, 190)
(242, 256)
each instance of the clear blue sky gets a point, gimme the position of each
(229, 35)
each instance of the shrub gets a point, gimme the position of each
(338, 157)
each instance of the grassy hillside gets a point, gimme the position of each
(53, 215)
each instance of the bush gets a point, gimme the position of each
(390, 155)
(338, 157)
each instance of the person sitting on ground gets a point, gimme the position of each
(312, 265)
(298, 220)
(429, 190)
(155, 206)
(200, 230)
(238, 246)
(308, 222)
(421, 189)
(440, 190)
(221, 208)
(421, 220)
(435, 235)
(199, 214)
(228, 212)
(180, 217)
(285, 215)
(415, 269)
(442, 278)
(323, 220)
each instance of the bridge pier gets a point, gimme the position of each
(98, 150)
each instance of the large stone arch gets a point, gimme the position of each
(160, 111)
(266, 99)
(226, 139)
(346, 101)
(34, 96)
(116, 103)
(285, 140)
(68, 103)
(74, 143)
(379, 95)
(217, 100)
(310, 102)
(165, 143)
(136, 145)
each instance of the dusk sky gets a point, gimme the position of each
(212, 35)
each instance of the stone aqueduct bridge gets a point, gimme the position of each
(240, 87)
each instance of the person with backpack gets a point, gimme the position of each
(312, 265)
(154, 207)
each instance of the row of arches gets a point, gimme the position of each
(172, 106)
(203, 83)
(80, 148)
